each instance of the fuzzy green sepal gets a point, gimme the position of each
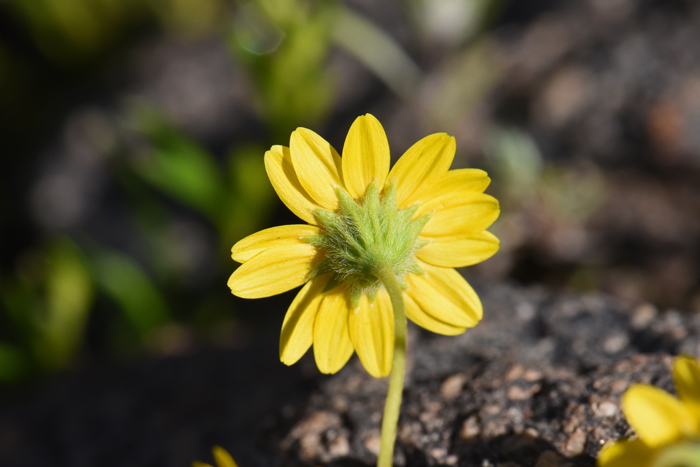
(365, 237)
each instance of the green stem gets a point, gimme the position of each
(392, 406)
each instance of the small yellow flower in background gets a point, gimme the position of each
(221, 457)
(668, 428)
(417, 221)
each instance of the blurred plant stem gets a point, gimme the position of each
(378, 51)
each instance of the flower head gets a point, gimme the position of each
(668, 428)
(221, 456)
(418, 221)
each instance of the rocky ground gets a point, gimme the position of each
(537, 383)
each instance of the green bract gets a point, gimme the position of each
(367, 236)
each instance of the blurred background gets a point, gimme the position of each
(132, 135)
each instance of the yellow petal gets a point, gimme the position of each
(421, 166)
(222, 457)
(275, 237)
(332, 345)
(274, 271)
(445, 295)
(686, 376)
(656, 416)
(457, 181)
(365, 156)
(298, 328)
(278, 164)
(318, 167)
(625, 454)
(426, 321)
(372, 333)
(457, 252)
(683, 454)
(459, 214)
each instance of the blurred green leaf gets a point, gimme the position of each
(284, 45)
(251, 195)
(177, 165)
(184, 170)
(516, 160)
(188, 17)
(249, 177)
(69, 296)
(73, 30)
(572, 196)
(120, 278)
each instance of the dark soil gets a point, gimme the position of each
(537, 383)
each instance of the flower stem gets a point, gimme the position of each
(392, 405)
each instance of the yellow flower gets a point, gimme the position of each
(668, 428)
(417, 220)
(221, 456)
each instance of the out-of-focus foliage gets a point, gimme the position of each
(125, 282)
(284, 49)
(377, 51)
(48, 304)
(178, 166)
(68, 30)
(150, 273)
(517, 161)
(71, 31)
(284, 45)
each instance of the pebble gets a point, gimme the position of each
(452, 386)
(372, 442)
(310, 447)
(525, 311)
(532, 376)
(495, 428)
(570, 425)
(576, 443)
(409, 433)
(438, 453)
(340, 404)
(339, 447)
(619, 386)
(309, 431)
(642, 316)
(316, 423)
(515, 372)
(517, 393)
(606, 409)
(615, 343)
(470, 428)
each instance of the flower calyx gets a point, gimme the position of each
(367, 236)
